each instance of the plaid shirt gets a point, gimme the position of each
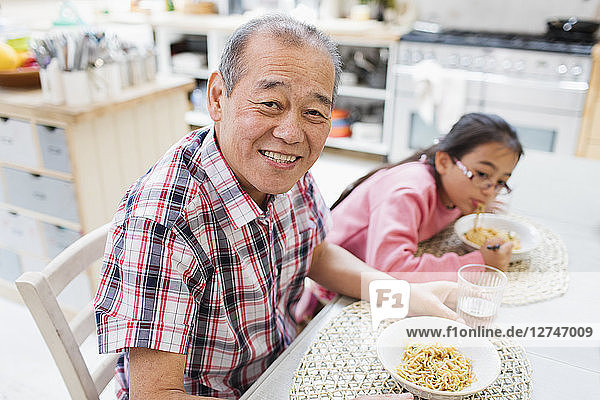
(194, 266)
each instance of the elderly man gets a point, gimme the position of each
(209, 250)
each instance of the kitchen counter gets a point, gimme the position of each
(27, 103)
(369, 31)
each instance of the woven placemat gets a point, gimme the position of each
(342, 363)
(541, 276)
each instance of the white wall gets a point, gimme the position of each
(503, 15)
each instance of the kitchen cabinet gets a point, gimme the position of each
(191, 45)
(64, 169)
(589, 136)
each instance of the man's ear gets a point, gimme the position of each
(215, 95)
(443, 162)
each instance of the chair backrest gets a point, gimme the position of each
(40, 290)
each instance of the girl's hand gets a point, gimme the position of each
(433, 298)
(498, 255)
(403, 396)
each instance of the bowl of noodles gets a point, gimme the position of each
(446, 366)
(475, 229)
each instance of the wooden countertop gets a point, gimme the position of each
(28, 103)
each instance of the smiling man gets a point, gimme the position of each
(207, 256)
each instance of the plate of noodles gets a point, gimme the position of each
(445, 368)
(475, 229)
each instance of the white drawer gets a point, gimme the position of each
(46, 195)
(16, 143)
(10, 265)
(20, 233)
(57, 238)
(53, 145)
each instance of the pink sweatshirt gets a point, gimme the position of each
(383, 220)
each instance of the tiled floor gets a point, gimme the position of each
(27, 370)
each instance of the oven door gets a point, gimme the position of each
(409, 131)
(546, 115)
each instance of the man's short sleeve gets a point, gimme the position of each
(142, 298)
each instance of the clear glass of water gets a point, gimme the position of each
(480, 291)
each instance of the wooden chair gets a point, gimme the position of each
(40, 290)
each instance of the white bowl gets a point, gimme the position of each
(529, 235)
(393, 341)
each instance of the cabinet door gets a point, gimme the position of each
(53, 145)
(20, 233)
(57, 238)
(46, 195)
(17, 145)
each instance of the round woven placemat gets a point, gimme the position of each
(342, 363)
(541, 276)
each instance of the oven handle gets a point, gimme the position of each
(486, 77)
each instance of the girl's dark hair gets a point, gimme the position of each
(470, 131)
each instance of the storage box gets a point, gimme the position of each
(46, 195)
(53, 145)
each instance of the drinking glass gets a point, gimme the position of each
(480, 290)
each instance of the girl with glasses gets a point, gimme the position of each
(383, 216)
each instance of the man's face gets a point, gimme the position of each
(273, 126)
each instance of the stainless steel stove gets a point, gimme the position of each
(536, 82)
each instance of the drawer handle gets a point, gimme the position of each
(6, 139)
(55, 150)
(4, 119)
(34, 175)
(39, 195)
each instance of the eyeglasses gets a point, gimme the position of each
(483, 180)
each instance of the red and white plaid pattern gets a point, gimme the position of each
(194, 266)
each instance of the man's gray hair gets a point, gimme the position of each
(284, 28)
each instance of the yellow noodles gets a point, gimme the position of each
(436, 367)
(480, 235)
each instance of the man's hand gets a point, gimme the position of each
(433, 298)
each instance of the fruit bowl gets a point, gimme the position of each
(26, 77)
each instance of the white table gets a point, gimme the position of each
(563, 194)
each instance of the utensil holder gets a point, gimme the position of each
(77, 88)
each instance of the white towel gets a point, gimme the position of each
(441, 94)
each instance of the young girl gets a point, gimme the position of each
(383, 216)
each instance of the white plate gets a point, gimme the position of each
(394, 340)
(529, 235)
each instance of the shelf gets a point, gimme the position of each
(363, 146)
(363, 92)
(197, 118)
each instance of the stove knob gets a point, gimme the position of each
(506, 65)
(465, 61)
(576, 70)
(562, 69)
(453, 60)
(479, 62)
(490, 64)
(520, 66)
